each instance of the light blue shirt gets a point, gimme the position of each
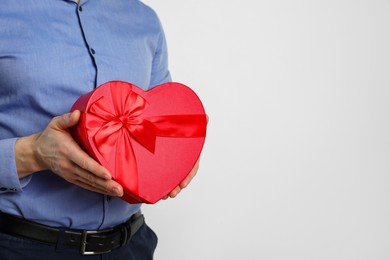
(51, 53)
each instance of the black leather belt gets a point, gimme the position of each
(88, 242)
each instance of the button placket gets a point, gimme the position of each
(83, 14)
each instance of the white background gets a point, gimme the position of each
(296, 163)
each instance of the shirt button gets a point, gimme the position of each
(92, 51)
(108, 198)
(80, 8)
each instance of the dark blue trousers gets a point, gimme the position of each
(140, 247)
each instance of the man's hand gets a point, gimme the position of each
(55, 149)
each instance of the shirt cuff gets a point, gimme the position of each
(9, 179)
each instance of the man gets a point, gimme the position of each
(53, 196)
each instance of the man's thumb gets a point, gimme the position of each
(68, 120)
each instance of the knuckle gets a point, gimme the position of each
(85, 164)
(59, 120)
(91, 178)
(65, 166)
(55, 122)
(92, 184)
(76, 170)
(63, 148)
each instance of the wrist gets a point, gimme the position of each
(25, 156)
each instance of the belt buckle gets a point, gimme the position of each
(83, 246)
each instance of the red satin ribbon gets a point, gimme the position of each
(113, 123)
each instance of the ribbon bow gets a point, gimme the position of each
(113, 123)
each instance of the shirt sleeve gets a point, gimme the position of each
(9, 180)
(160, 72)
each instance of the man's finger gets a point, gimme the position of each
(84, 161)
(190, 176)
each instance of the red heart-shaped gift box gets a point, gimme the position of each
(148, 140)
